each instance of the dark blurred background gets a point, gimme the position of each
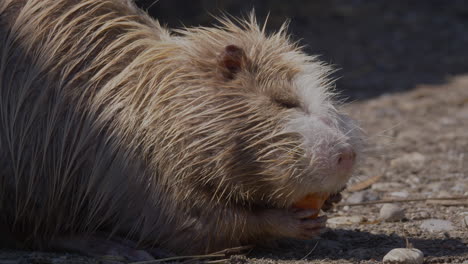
(380, 46)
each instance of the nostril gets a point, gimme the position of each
(346, 158)
(326, 121)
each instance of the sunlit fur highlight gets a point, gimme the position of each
(110, 122)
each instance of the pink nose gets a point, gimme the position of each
(346, 159)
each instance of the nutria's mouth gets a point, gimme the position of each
(312, 201)
(319, 201)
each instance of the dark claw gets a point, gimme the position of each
(333, 199)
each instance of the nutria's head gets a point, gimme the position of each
(259, 121)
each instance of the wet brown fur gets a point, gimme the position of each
(110, 122)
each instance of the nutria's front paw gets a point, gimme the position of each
(294, 223)
(332, 199)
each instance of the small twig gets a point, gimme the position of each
(216, 261)
(310, 252)
(404, 200)
(229, 251)
(364, 184)
(219, 254)
(179, 258)
(408, 244)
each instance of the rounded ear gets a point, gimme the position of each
(231, 61)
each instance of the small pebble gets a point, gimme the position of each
(447, 121)
(421, 216)
(439, 186)
(414, 179)
(444, 193)
(363, 196)
(459, 188)
(404, 256)
(412, 161)
(387, 186)
(436, 225)
(465, 219)
(401, 194)
(345, 220)
(391, 213)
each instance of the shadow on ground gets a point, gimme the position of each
(355, 245)
(380, 46)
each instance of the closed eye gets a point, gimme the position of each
(286, 103)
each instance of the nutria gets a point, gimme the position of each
(190, 140)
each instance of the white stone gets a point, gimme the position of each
(345, 220)
(414, 161)
(391, 213)
(363, 196)
(401, 194)
(387, 186)
(421, 216)
(404, 256)
(436, 225)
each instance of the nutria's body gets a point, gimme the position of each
(192, 143)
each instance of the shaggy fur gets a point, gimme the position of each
(109, 122)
